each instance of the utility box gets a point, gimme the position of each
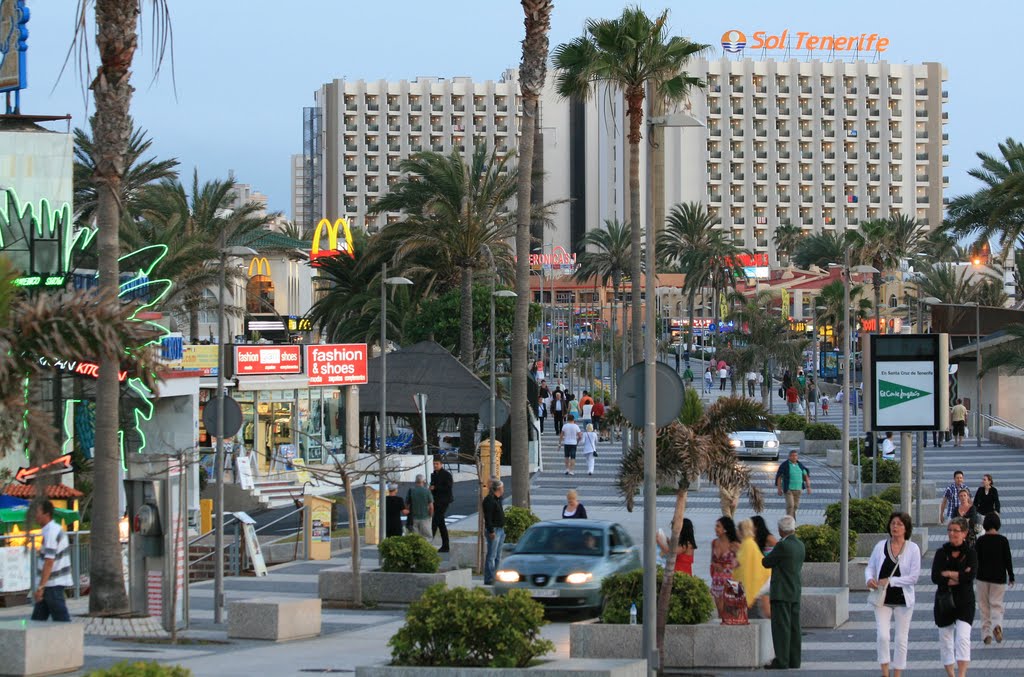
(317, 531)
(155, 492)
(372, 530)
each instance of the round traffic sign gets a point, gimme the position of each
(668, 393)
(501, 413)
(232, 417)
(545, 340)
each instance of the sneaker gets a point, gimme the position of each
(987, 640)
(998, 632)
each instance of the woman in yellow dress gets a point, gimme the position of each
(754, 577)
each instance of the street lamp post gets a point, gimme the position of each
(505, 294)
(977, 358)
(218, 514)
(382, 448)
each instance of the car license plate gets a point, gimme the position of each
(535, 592)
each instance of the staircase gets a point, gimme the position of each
(276, 493)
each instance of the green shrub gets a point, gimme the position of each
(822, 431)
(410, 554)
(790, 422)
(888, 471)
(690, 604)
(867, 515)
(822, 542)
(140, 669)
(890, 495)
(517, 521)
(693, 408)
(469, 627)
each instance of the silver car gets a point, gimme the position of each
(561, 563)
(759, 442)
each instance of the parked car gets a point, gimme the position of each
(757, 442)
(562, 563)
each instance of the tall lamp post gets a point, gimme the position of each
(218, 513)
(382, 449)
(650, 426)
(505, 294)
(977, 358)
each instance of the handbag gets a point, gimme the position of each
(734, 604)
(876, 597)
(945, 609)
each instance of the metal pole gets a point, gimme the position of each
(923, 436)
(844, 489)
(495, 468)
(383, 448)
(906, 447)
(814, 356)
(218, 458)
(977, 357)
(650, 462)
(426, 444)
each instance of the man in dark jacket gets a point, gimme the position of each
(395, 506)
(441, 487)
(791, 480)
(786, 560)
(494, 528)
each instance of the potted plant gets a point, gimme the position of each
(790, 428)
(818, 437)
(821, 563)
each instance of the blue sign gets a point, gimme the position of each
(13, 47)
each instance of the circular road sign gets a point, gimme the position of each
(232, 417)
(501, 413)
(668, 395)
(545, 340)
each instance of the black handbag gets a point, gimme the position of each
(945, 609)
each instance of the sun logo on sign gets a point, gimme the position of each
(734, 41)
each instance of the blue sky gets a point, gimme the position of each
(245, 68)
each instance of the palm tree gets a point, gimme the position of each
(995, 211)
(787, 238)
(819, 249)
(606, 256)
(830, 311)
(116, 42)
(1008, 356)
(885, 245)
(767, 335)
(686, 453)
(947, 282)
(532, 72)
(630, 54)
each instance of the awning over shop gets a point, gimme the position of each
(11, 516)
(274, 382)
(426, 367)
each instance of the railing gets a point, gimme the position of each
(235, 550)
(1001, 422)
(78, 562)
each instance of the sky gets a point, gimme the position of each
(244, 69)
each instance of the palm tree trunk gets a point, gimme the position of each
(467, 424)
(634, 102)
(611, 352)
(111, 126)
(668, 578)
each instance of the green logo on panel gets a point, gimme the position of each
(890, 394)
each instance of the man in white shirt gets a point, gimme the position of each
(569, 438)
(888, 447)
(751, 382)
(53, 567)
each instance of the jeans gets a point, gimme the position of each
(955, 643)
(52, 604)
(883, 619)
(493, 554)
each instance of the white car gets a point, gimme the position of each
(760, 442)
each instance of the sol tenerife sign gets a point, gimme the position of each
(269, 359)
(331, 250)
(341, 364)
(735, 41)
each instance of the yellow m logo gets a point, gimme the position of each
(259, 266)
(332, 240)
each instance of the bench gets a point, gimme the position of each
(41, 648)
(824, 607)
(278, 619)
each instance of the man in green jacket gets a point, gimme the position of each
(786, 561)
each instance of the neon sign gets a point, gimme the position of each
(58, 466)
(557, 258)
(90, 369)
(332, 241)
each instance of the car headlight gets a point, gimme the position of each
(735, 444)
(579, 578)
(507, 576)
(771, 444)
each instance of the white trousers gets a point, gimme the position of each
(955, 643)
(590, 462)
(990, 601)
(883, 620)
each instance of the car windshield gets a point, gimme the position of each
(760, 426)
(559, 540)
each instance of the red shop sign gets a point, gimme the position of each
(255, 360)
(339, 364)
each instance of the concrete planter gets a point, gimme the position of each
(818, 447)
(708, 645)
(387, 587)
(826, 575)
(573, 667)
(929, 490)
(824, 607)
(866, 542)
(791, 438)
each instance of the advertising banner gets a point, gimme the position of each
(203, 358)
(341, 364)
(905, 382)
(905, 394)
(257, 360)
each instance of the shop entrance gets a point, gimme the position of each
(275, 439)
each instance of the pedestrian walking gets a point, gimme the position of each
(396, 509)
(958, 419)
(708, 381)
(542, 413)
(824, 404)
(574, 409)
(965, 509)
(441, 485)
(53, 568)
(786, 560)
(724, 550)
(995, 567)
(812, 397)
(573, 509)
(723, 374)
(953, 571)
(791, 479)
(588, 447)
(792, 398)
(597, 418)
(950, 498)
(891, 575)
(569, 438)
(558, 410)
(421, 507)
(688, 375)
(751, 379)
(986, 500)
(888, 447)
(494, 529)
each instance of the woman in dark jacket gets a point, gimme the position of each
(995, 567)
(986, 500)
(953, 571)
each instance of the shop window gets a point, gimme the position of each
(259, 294)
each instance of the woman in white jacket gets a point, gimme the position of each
(891, 575)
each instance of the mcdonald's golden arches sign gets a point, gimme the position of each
(331, 249)
(259, 266)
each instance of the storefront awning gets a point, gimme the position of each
(274, 382)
